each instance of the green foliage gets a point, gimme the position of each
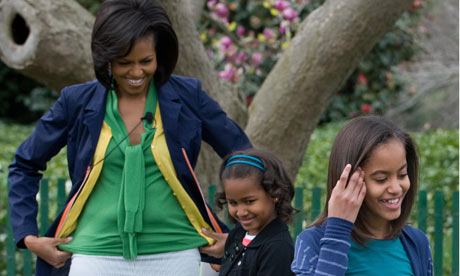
(373, 86)
(91, 5)
(22, 100)
(13, 135)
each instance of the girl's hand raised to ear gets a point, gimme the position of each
(346, 200)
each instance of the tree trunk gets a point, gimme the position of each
(325, 51)
(48, 41)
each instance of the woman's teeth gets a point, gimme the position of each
(135, 82)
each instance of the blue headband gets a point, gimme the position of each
(230, 162)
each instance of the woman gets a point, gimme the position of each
(133, 137)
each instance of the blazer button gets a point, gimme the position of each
(239, 263)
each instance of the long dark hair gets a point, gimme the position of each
(120, 23)
(274, 180)
(353, 145)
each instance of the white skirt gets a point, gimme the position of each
(186, 262)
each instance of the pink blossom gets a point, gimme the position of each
(256, 59)
(228, 72)
(241, 58)
(209, 53)
(231, 55)
(211, 3)
(283, 27)
(268, 34)
(289, 14)
(226, 43)
(282, 30)
(365, 108)
(221, 10)
(240, 31)
(362, 79)
(281, 5)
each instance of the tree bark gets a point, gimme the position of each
(326, 49)
(196, 7)
(48, 41)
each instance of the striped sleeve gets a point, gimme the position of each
(323, 251)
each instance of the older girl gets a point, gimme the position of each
(372, 182)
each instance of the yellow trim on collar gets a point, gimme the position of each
(71, 221)
(163, 159)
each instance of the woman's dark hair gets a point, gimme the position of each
(274, 180)
(120, 23)
(353, 145)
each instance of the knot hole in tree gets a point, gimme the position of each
(19, 30)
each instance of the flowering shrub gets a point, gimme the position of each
(244, 39)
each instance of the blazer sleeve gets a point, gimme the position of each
(47, 139)
(219, 131)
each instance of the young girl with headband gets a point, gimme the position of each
(258, 194)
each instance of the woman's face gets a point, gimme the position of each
(387, 183)
(134, 72)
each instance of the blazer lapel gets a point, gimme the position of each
(170, 107)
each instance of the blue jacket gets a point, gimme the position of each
(189, 116)
(323, 250)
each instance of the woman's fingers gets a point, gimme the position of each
(46, 248)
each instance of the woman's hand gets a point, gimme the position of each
(46, 249)
(346, 200)
(216, 250)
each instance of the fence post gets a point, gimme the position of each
(10, 246)
(438, 235)
(455, 234)
(315, 203)
(27, 257)
(61, 196)
(422, 210)
(43, 206)
(211, 195)
(298, 218)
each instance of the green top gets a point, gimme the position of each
(132, 209)
(379, 257)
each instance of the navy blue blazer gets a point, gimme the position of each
(189, 116)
